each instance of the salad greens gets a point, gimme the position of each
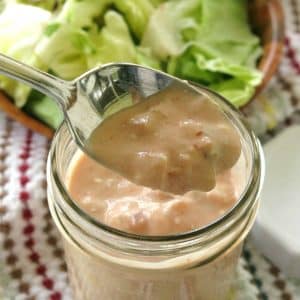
(220, 52)
(200, 40)
(46, 4)
(19, 36)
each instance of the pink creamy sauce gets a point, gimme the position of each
(176, 160)
(117, 202)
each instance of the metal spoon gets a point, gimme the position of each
(92, 97)
(85, 100)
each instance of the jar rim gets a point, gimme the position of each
(253, 186)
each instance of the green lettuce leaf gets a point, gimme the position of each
(64, 50)
(52, 5)
(235, 90)
(199, 40)
(69, 50)
(44, 108)
(19, 36)
(155, 3)
(82, 13)
(166, 25)
(69, 39)
(136, 13)
(73, 42)
(210, 43)
(115, 44)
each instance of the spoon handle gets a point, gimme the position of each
(54, 87)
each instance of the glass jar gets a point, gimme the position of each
(107, 264)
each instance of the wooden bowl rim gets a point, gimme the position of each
(273, 51)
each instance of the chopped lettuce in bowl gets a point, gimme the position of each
(198, 40)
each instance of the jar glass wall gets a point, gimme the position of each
(106, 263)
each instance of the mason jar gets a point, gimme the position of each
(105, 263)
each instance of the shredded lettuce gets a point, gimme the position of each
(136, 12)
(82, 13)
(210, 43)
(115, 43)
(164, 33)
(19, 36)
(64, 51)
(68, 39)
(85, 34)
(199, 40)
(68, 51)
(43, 107)
(155, 3)
(51, 5)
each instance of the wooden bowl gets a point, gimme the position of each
(267, 20)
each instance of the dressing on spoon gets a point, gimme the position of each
(176, 141)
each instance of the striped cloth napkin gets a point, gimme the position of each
(31, 254)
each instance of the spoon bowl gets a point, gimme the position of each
(85, 100)
(106, 90)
